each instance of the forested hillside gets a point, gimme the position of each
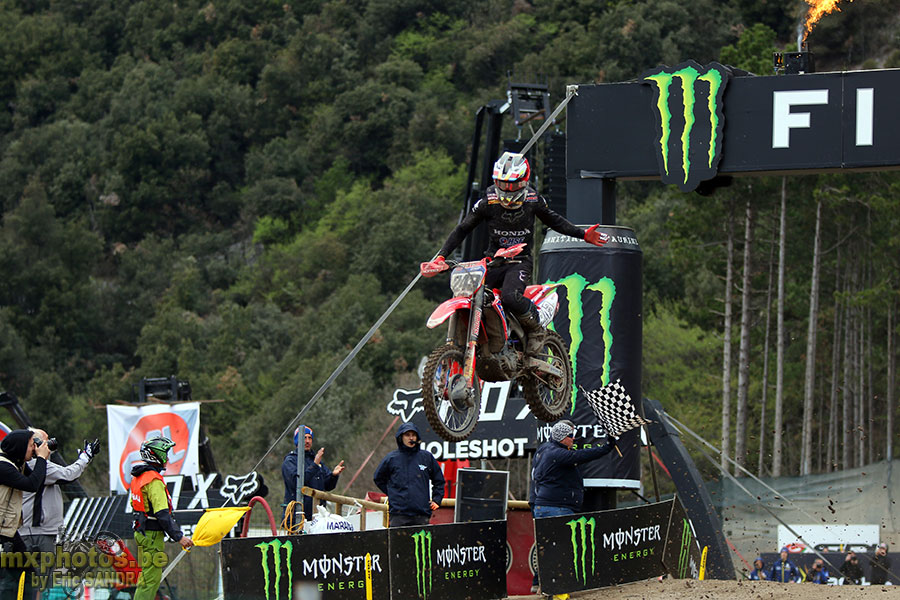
(233, 192)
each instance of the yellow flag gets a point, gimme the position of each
(216, 523)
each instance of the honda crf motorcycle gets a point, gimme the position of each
(486, 344)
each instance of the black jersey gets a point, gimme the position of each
(508, 227)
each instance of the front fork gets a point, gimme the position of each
(474, 328)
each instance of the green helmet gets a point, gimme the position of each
(156, 450)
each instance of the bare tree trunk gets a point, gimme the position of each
(891, 382)
(810, 377)
(832, 450)
(859, 421)
(846, 421)
(765, 373)
(870, 395)
(779, 348)
(726, 344)
(740, 438)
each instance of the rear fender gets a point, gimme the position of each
(447, 308)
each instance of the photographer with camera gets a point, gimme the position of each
(42, 511)
(17, 448)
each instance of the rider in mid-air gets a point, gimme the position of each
(509, 207)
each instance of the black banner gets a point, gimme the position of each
(456, 561)
(809, 123)
(335, 565)
(447, 562)
(600, 318)
(600, 549)
(506, 428)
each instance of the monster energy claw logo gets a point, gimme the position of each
(685, 552)
(276, 546)
(423, 562)
(700, 146)
(581, 538)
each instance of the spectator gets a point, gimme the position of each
(17, 448)
(759, 570)
(881, 565)
(783, 570)
(42, 511)
(316, 475)
(851, 570)
(404, 475)
(818, 573)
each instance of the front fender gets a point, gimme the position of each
(447, 308)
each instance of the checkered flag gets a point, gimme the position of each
(613, 408)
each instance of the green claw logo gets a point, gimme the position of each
(576, 285)
(580, 541)
(701, 122)
(685, 552)
(423, 562)
(276, 546)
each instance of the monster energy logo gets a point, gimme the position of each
(575, 286)
(700, 150)
(276, 546)
(580, 541)
(423, 562)
(684, 555)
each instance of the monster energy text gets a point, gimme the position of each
(701, 123)
(583, 530)
(422, 541)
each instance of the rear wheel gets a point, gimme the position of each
(451, 406)
(549, 396)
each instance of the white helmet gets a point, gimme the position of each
(511, 173)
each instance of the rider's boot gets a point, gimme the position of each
(531, 323)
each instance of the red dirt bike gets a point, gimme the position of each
(484, 343)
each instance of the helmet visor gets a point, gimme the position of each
(509, 186)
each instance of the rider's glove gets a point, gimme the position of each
(91, 448)
(433, 267)
(592, 236)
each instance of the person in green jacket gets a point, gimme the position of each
(153, 508)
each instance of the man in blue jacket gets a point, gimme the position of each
(404, 475)
(316, 474)
(783, 570)
(557, 487)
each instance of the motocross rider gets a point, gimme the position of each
(509, 207)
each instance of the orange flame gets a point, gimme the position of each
(817, 10)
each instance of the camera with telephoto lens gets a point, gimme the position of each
(51, 443)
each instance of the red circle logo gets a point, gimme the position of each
(168, 425)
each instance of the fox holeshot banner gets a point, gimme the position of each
(600, 318)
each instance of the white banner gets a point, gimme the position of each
(129, 427)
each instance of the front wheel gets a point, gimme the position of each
(451, 406)
(549, 396)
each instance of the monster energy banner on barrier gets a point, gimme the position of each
(600, 549)
(443, 562)
(331, 566)
(689, 119)
(435, 562)
(600, 318)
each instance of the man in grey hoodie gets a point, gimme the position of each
(42, 511)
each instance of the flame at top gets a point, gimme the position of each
(817, 10)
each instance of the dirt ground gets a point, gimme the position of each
(689, 589)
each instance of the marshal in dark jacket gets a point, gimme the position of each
(404, 475)
(556, 480)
